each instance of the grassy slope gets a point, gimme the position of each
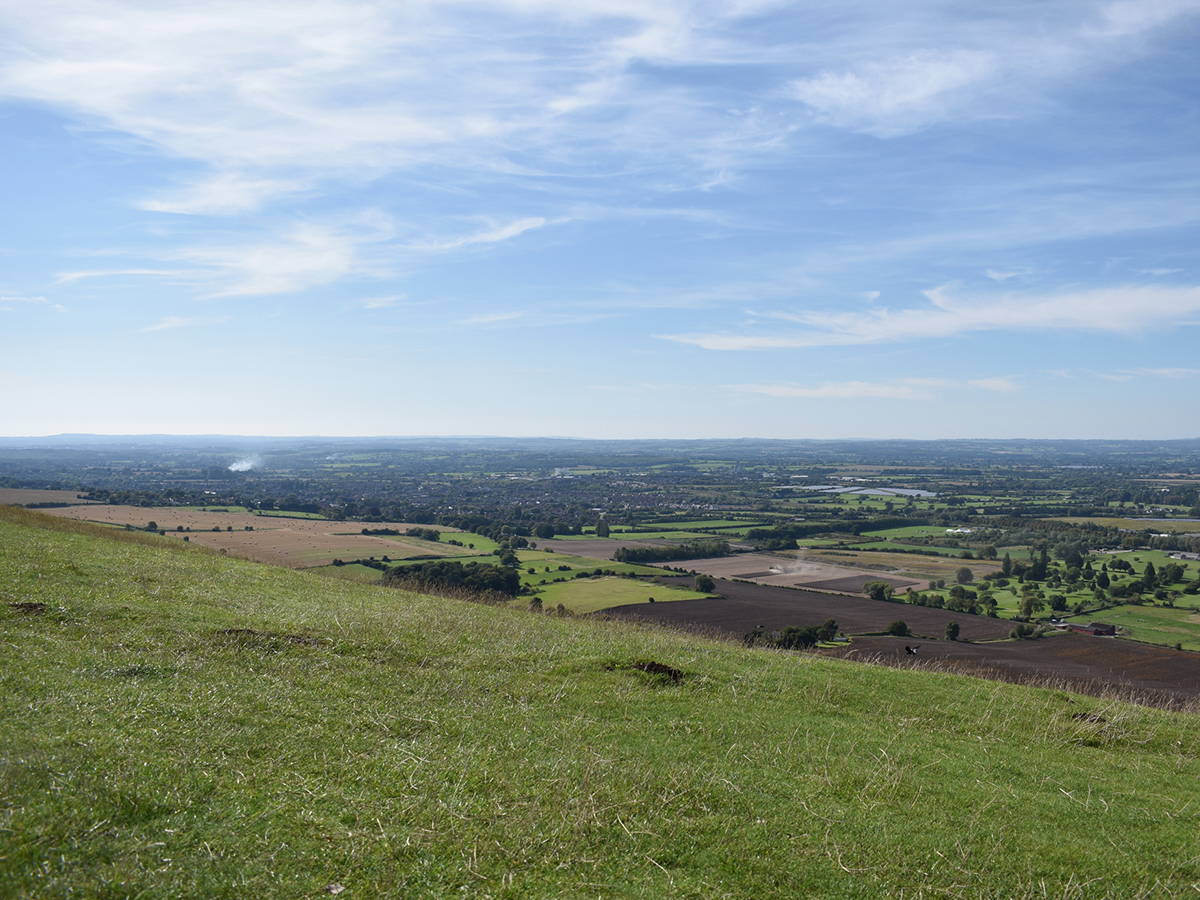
(420, 747)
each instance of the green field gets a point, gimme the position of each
(1154, 624)
(176, 723)
(586, 595)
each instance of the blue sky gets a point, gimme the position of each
(601, 219)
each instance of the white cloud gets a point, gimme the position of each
(382, 302)
(898, 95)
(490, 235)
(1128, 17)
(1130, 309)
(1175, 373)
(64, 277)
(492, 318)
(222, 195)
(843, 390)
(308, 254)
(271, 98)
(181, 322)
(1000, 384)
(1001, 276)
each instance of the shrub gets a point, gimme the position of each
(952, 631)
(898, 629)
(705, 584)
(878, 590)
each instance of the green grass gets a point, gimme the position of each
(1161, 625)
(178, 723)
(587, 595)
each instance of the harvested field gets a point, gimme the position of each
(781, 572)
(914, 564)
(853, 584)
(826, 574)
(280, 541)
(26, 496)
(744, 607)
(1076, 662)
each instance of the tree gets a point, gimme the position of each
(878, 590)
(898, 629)
(602, 530)
(705, 584)
(964, 576)
(1149, 577)
(1031, 604)
(1006, 566)
(952, 631)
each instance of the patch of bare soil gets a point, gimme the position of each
(747, 607)
(1079, 662)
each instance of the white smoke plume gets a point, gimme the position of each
(246, 464)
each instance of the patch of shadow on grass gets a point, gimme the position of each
(29, 607)
(659, 672)
(249, 639)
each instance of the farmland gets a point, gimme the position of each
(176, 721)
(295, 542)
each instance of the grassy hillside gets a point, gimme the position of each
(177, 723)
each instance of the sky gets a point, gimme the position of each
(601, 219)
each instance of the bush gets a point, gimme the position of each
(952, 631)
(878, 590)
(705, 584)
(898, 629)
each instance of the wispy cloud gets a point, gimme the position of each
(1175, 373)
(382, 302)
(306, 255)
(997, 275)
(493, 318)
(66, 277)
(897, 95)
(493, 234)
(843, 390)
(1130, 309)
(999, 384)
(182, 322)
